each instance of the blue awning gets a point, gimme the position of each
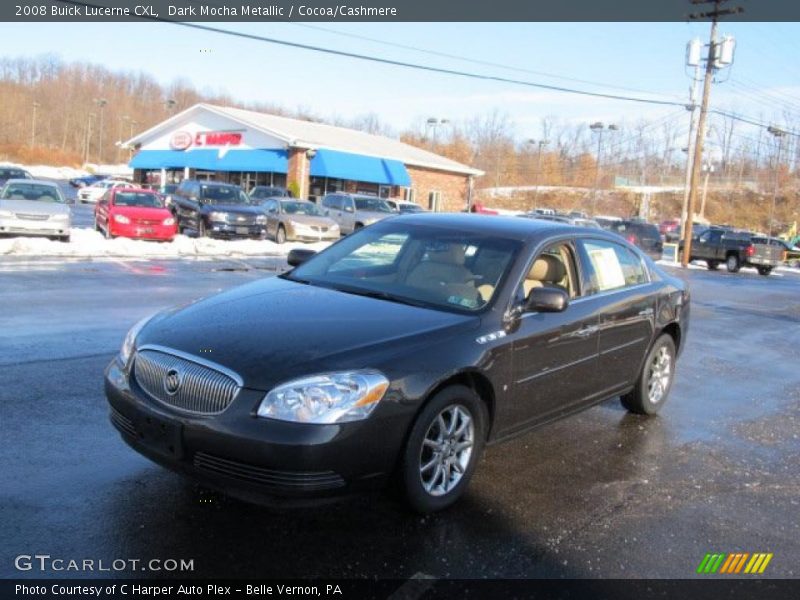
(357, 167)
(256, 160)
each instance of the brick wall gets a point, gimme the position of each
(453, 188)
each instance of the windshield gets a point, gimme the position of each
(13, 174)
(32, 191)
(406, 208)
(267, 192)
(137, 199)
(300, 208)
(412, 264)
(223, 194)
(373, 204)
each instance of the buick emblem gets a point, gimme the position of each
(172, 381)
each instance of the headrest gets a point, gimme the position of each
(547, 268)
(452, 254)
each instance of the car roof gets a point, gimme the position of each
(36, 181)
(502, 226)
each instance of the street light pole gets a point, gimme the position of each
(778, 133)
(598, 128)
(434, 123)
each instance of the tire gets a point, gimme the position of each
(712, 265)
(64, 238)
(357, 227)
(201, 228)
(646, 398)
(732, 263)
(765, 271)
(422, 465)
(97, 227)
(280, 235)
(107, 231)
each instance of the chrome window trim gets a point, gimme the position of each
(195, 359)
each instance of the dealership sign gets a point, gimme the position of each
(181, 140)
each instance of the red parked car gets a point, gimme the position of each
(670, 229)
(134, 213)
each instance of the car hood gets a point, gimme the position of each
(310, 220)
(274, 329)
(34, 207)
(141, 212)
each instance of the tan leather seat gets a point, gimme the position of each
(546, 270)
(442, 267)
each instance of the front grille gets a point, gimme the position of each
(241, 220)
(123, 423)
(319, 228)
(202, 389)
(28, 217)
(297, 480)
(147, 221)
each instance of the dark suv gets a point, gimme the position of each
(642, 234)
(217, 210)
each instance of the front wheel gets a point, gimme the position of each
(765, 271)
(732, 264)
(280, 235)
(655, 380)
(443, 449)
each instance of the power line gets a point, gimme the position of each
(396, 63)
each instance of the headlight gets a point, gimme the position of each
(169, 221)
(326, 398)
(130, 339)
(122, 219)
(261, 219)
(218, 216)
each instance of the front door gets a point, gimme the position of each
(555, 354)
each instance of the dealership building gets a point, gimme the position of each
(250, 148)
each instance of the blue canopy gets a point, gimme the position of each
(258, 160)
(357, 167)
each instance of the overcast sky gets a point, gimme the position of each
(645, 59)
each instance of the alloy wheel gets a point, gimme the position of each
(660, 374)
(446, 450)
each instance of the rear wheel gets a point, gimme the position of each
(280, 235)
(655, 380)
(443, 449)
(765, 271)
(732, 263)
(712, 265)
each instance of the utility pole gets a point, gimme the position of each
(778, 133)
(540, 144)
(713, 61)
(693, 50)
(33, 124)
(101, 102)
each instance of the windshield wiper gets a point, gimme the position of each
(380, 296)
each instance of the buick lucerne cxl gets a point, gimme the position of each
(396, 355)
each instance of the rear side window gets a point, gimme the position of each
(610, 266)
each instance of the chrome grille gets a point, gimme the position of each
(29, 217)
(203, 389)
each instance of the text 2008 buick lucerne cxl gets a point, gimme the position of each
(397, 354)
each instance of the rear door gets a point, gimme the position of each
(619, 291)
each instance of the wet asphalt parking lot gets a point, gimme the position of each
(601, 494)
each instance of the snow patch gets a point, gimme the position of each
(87, 243)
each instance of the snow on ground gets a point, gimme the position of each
(87, 243)
(49, 172)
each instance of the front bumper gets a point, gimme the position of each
(313, 237)
(255, 459)
(231, 230)
(143, 232)
(13, 225)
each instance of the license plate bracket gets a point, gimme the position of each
(162, 436)
(242, 230)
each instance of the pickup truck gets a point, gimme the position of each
(736, 249)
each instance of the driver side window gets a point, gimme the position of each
(554, 267)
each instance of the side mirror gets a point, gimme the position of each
(348, 209)
(298, 256)
(545, 299)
